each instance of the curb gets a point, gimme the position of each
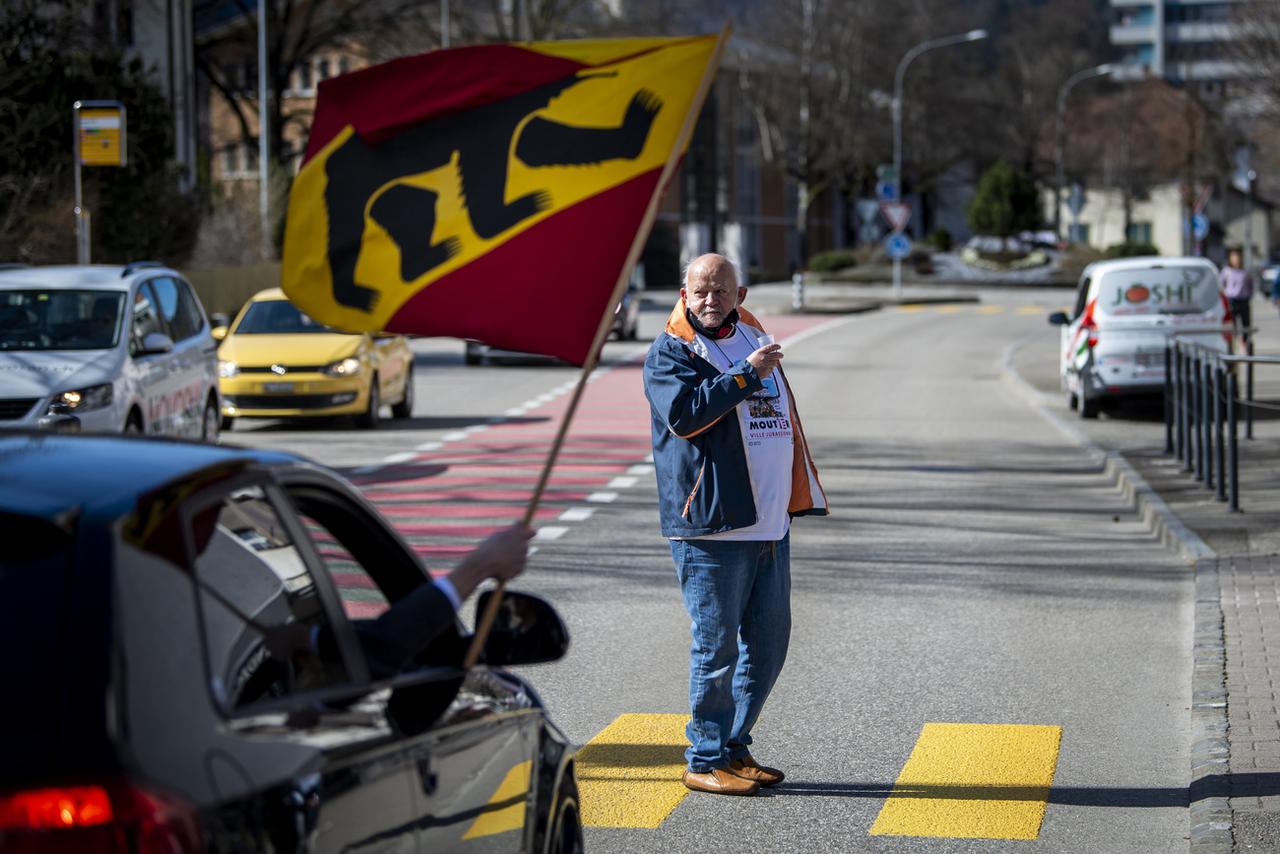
(1209, 807)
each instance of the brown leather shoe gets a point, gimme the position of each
(748, 769)
(718, 781)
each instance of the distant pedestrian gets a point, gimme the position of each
(1237, 287)
(733, 467)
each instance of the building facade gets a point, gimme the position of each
(1183, 41)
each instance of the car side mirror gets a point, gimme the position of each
(219, 332)
(526, 630)
(154, 343)
(1059, 318)
(59, 420)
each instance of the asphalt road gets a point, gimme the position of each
(977, 569)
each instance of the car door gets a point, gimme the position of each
(287, 676)
(190, 361)
(474, 757)
(1069, 334)
(153, 375)
(391, 357)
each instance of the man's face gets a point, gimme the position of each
(712, 292)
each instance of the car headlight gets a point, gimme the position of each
(84, 399)
(347, 367)
(227, 369)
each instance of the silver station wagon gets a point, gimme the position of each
(112, 349)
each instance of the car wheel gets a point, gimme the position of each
(404, 408)
(368, 420)
(566, 832)
(471, 355)
(212, 422)
(133, 424)
(227, 423)
(1089, 407)
(1073, 401)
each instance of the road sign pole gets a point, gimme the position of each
(82, 245)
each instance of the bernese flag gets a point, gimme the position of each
(492, 192)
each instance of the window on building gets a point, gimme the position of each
(230, 160)
(322, 70)
(250, 157)
(304, 77)
(344, 65)
(1138, 232)
(1079, 233)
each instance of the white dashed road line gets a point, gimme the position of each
(577, 514)
(602, 497)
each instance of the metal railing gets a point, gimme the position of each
(1202, 407)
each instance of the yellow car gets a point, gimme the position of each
(276, 362)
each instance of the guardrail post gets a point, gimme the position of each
(1219, 413)
(1206, 420)
(1168, 397)
(1197, 405)
(1233, 448)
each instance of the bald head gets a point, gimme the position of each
(711, 289)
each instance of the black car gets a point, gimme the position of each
(145, 586)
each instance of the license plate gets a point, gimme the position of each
(277, 388)
(1150, 360)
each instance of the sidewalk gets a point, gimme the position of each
(1235, 708)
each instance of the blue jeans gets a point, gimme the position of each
(739, 597)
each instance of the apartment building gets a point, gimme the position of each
(1184, 41)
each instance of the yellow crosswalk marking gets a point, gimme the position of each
(629, 774)
(948, 309)
(911, 307)
(1030, 309)
(990, 309)
(973, 781)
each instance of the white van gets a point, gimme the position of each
(116, 349)
(1125, 310)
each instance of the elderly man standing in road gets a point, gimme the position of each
(733, 468)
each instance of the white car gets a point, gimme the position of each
(118, 349)
(1125, 311)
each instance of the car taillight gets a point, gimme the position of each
(1089, 327)
(119, 818)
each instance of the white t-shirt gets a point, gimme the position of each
(765, 419)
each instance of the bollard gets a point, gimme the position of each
(1186, 410)
(1233, 448)
(1248, 390)
(1206, 423)
(797, 291)
(1168, 400)
(1197, 415)
(1219, 416)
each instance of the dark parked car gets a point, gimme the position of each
(145, 588)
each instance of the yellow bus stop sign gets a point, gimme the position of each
(101, 136)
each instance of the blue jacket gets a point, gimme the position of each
(704, 483)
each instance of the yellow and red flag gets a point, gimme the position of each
(491, 192)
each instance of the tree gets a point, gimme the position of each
(1005, 202)
(51, 57)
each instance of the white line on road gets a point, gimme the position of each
(430, 446)
(551, 532)
(402, 457)
(455, 436)
(622, 483)
(516, 412)
(602, 497)
(577, 514)
(640, 469)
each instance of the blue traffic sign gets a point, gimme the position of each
(898, 245)
(1200, 226)
(887, 191)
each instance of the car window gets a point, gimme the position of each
(266, 632)
(146, 315)
(362, 599)
(1082, 296)
(276, 317)
(60, 319)
(1158, 290)
(176, 307)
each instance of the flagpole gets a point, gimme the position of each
(485, 621)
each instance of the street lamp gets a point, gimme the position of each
(1059, 142)
(945, 41)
